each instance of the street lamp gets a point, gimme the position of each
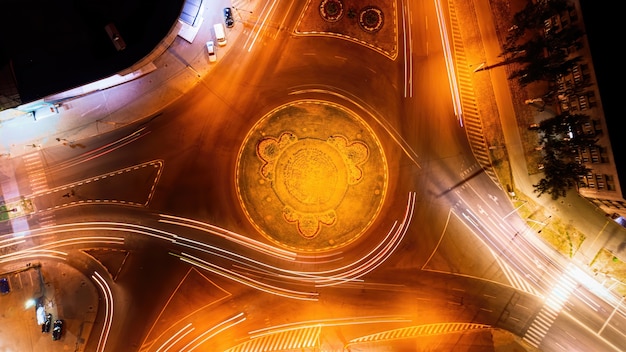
(8, 210)
(237, 9)
(545, 224)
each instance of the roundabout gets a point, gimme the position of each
(311, 176)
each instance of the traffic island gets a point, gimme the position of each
(16, 209)
(366, 22)
(311, 176)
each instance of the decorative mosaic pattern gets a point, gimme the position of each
(311, 175)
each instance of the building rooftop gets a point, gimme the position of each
(56, 46)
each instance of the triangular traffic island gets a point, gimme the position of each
(367, 22)
(111, 259)
(194, 294)
(451, 255)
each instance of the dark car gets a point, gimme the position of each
(4, 286)
(228, 17)
(45, 327)
(57, 329)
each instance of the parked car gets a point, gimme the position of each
(220, 36)
(228, 17)
(4, 286)
(45, 327)
(210, 48)
(57, 329)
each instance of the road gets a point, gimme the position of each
(420, 241)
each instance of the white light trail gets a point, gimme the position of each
(108, 312)
(263, 22)
(174, 339)
(279, 291)
(226, 324)
(454, 88)
(231, 236)
(245, 267)
(408, 52)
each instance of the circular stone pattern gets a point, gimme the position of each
(371, 19)
(331, 10)
(311, 176)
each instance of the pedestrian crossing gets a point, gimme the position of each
(515, 279)
(549, 312)
(35, 172)
(38, 182)
(419, 330)
(300, 339)
(470, 117)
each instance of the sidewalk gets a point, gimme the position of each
(178, 65)
(61, 290)
(572, 210)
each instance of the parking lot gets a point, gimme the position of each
(47, 283)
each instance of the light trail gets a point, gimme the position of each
(267, 14)
(108, 311)
(557, 278)
(226, 324)
(100, 151)
(454, 88)
(343, 274)
(362, 105)
(231, 236)
(30, 254)
(174, 339)
(242, 279)
(408, 52)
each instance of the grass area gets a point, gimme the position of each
(611, 269)
(4, 213)
(16, 209)
(561, 236)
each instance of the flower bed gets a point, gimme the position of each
(331, 10)
(371, 19)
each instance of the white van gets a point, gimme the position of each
(220, 37)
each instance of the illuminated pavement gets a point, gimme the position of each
(311, 176)
(175, 67)
(291, 152)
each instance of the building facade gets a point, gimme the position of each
(578, 93)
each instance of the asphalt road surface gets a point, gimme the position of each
(416, 242)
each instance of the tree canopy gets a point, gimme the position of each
(561, 137)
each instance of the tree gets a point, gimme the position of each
(542, 50)
(559, 177)
(562, 137)
(532, 18)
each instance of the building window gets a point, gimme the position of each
(584, 68)
(597, 126)
(595, 156)
(578, 78)
(582, 102)
(591, 98)
(610, 182)
(547, 25)
(585, 155)
(600, 181)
